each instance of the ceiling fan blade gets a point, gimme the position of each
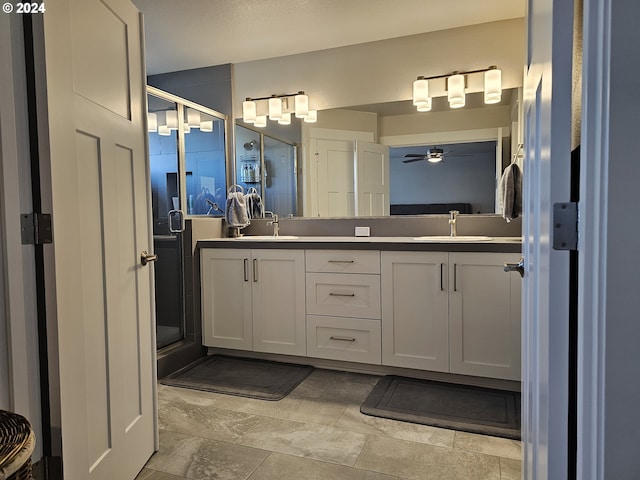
(420, 155)
(414, 159)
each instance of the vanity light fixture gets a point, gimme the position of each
(193, 118)
(278, 108)
(152, 122)
(492, 85)
(285, 119)
(456, 84)
(421, 98)
(301, 105)
(261, 121)
(312, 117)
(164, 131)
(455, 90)
(249, 111)
(275, 108)
(172, 119)
(206, 126)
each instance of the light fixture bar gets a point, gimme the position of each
(283, 95)
(468, 72)
(278, 108)
(456, 84)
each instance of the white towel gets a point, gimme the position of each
(510, 192)
(236, 212)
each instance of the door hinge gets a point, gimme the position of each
(35, 228)
(565, 226)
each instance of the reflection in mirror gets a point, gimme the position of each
(267, 166)
(420, 185)
(479, 135)
(196, 182)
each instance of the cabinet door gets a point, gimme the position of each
(484, 315)
(415, 331)
(226, 298)
(278, 301)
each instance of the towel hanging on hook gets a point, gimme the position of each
(518, 153)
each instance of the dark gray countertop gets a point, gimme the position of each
(495, 244)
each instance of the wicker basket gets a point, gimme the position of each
(17, 441)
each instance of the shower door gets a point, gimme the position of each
(187, 152)
(164, 145)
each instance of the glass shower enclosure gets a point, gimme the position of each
(187, 159)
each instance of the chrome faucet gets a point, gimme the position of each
(274, 222)
(453, 226)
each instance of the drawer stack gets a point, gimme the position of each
(343, 309)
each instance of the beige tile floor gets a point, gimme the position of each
(315, 433)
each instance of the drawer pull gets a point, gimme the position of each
(339, 261)
(342, 339)
(334, 294)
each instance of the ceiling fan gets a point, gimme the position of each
(433, 155)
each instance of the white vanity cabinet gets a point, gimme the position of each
(343, 305)
(253, 299)
(415, 327)
(451, 312)
(484, 315)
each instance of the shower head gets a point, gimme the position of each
(249, 145)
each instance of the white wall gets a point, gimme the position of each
(384, 71)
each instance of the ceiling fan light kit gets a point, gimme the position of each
(433, 155)
(456, 84)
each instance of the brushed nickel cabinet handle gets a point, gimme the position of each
(455, 277)
(515, 267)
(246, 269)
(342, 339)
(335, 294)
(255, 269)
(339, 261)
(441, 274)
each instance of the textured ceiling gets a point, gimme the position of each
(184, 34)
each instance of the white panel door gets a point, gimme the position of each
(101, 204)
(335, 181)
(371, 179)
(278, 301)
(546, 179)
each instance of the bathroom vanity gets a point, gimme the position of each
(427, 303)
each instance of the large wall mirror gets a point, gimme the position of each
(365, 103)
(473, 144)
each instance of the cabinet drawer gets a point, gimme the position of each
(343, 261)
(348, 339)
(343, 295)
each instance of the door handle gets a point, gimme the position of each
(147, 257)
(176, 217)
(515, 267)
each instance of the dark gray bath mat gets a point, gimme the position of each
(461, 407)
(244, 377)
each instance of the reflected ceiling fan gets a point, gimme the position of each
(433, 155)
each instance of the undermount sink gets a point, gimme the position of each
(459, 238)
(267, 237)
